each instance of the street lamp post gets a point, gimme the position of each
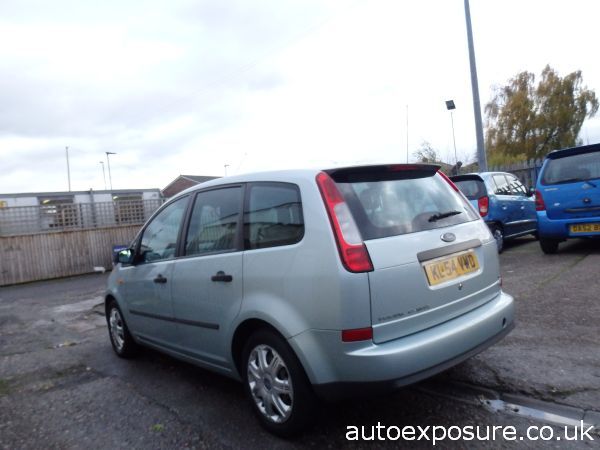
(68, 168)
(406, 134)
(481, 156)
(451, 107)
(108, 161)
(103, 174)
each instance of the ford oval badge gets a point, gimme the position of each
(448, 237)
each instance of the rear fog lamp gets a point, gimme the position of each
(357, 334)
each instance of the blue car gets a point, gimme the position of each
(568, 196)
(506, 205)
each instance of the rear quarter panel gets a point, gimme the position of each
(304, 286)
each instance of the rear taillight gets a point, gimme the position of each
(357, 334)
(353, 251)
(539, 201)
(483, 203)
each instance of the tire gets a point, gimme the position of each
(120, 338)
(498, 234)
(276, 384)
(549, 246)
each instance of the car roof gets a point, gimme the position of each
(267, 176)
(467, 176)
(481, 175)
(293, 175)
(573, 151)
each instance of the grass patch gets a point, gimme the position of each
(157, 428)
(4, 387)
(562, 270)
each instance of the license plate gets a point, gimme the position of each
(585, 228)
(451, 267)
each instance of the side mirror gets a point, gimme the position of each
(124, 257)
(530, 191)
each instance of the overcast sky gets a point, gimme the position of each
(187, 87)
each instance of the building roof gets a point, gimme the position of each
(87, 192)
(198, 178)
(191, 180)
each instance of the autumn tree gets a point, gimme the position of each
(525, 120)
(427, 154)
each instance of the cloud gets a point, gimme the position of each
(144, 84)
(189, 86)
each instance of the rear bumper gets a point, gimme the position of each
(559, 228)
(337, 369)
(341, 390)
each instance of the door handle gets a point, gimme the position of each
(222, 276)
(160, 279)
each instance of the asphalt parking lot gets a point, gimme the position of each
(61, 386)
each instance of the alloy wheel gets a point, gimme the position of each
(117, 330)
(499, 236)
(270, 384)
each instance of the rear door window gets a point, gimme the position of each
(516, 187)
(273, 215)
(390, 207)
(502, 187)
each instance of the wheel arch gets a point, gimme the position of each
(495, 223)
(242, 332)
(107, 301)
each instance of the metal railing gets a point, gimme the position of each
(74, 216)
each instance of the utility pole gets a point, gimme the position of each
(103, 174)
(108, 161)
(481, 156)
(68, 167)
(406, 134)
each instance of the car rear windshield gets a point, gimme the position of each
(472, 188)
(402, 203)
(581, 167)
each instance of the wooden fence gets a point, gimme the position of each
(44, 256)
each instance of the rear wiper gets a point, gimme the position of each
(439, 216)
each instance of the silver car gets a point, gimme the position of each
(309, 284)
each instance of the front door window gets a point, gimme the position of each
(159, 240)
